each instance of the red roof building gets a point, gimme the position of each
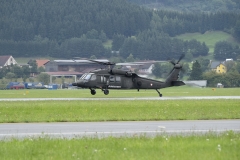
(41, 62)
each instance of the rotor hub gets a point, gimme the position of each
(177, 66)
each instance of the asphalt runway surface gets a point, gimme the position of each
(121, 98)
(115, 129)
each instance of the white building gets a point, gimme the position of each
(7, 61)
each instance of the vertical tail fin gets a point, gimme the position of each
(174, 74)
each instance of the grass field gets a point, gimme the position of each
(210, 38)
(84, 111)
(208, 147)
(85, 93)
(112, 110)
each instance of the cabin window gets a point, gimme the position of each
(103, 79)
(111, 79)
(118, 79)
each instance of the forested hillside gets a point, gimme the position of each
(78, 28)
(63, 19)
(192, 5)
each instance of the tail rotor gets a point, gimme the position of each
(177, 65)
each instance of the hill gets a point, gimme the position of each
(209, 37)
(192, 5)
(80, 28)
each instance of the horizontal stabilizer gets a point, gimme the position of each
(178, 83)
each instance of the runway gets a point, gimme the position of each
(122, 98)
(115, 129)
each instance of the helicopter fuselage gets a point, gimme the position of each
(106, 79)
(92, 80)
(120, 80)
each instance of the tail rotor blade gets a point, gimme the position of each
(172, 61)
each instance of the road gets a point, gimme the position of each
(104, 129)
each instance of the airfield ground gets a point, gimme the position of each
(208, 146)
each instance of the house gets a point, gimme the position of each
(142, 68)
(41, 62)
(7, 61)
(218, 67)
(71, 68)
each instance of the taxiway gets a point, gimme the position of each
(116, 129)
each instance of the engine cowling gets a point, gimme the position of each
(121, 72)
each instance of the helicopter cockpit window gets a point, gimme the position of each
(93, 77)
(83, 76)
(88, 76)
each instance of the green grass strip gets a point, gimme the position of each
(85, 93)
(225, 146)
(82, 111)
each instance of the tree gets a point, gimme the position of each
(157, 70)
(230, 66)
(212, 78)
(204, 63)
(118, 41)
(130, 58)
(43, 77)
(185, 70)
(17, 71)
(161, 70)
(93, 57)
(41, 69)
(26, 71)
(93, 34)
(102, 36)
(223, 50)
(10, 76)
(188, 57)
(33, 66)
(196, 73)
(238, 66)
(236, 33)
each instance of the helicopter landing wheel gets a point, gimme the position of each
(160, 95)
(106, 91)
(93, 92)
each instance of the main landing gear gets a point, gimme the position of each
(105, 91)
(160, 95)
(93, 91)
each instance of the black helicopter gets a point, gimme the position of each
(111, 78)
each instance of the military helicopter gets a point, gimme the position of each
(112, 78)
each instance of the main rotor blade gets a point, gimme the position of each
(171, 71)
(103, 63)
(182, 56)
